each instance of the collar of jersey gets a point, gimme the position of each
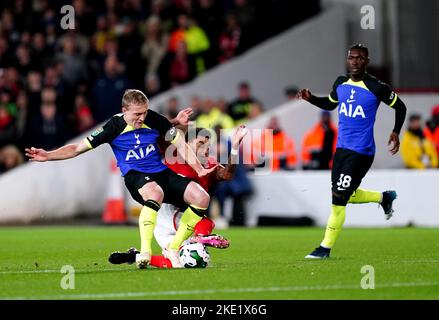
(356, 83)
(129, 128)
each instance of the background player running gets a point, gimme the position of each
(357, 97)
(169, 216)
(133, 136)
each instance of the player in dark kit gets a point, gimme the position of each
(169, 215)
(133, 136)
(357, 97)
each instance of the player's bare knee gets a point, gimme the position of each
(200, 198)
(152, 191)
(204, 199)
(196, 195)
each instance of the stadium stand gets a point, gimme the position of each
(150, 45)
(26, 87)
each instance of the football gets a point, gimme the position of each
(194, 255)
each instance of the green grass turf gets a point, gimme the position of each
(261, 263)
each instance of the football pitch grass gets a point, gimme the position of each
(261, 263)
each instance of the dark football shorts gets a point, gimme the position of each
(348, 169)
(172, 184)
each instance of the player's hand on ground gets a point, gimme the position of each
(304, 94)
(183, 116)
(393, 143)
(238, 135)
(205, 172)
(35, 154)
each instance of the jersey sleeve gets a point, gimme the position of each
(385, 93)
(163, 126)
(333, 97)
(382, 91)
(105, 134)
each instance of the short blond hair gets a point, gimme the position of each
(133, 96)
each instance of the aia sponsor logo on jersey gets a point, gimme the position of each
(349, 110)
(138, 152)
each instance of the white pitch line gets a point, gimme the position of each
(59, 271)
(110, 270)
(211, 291)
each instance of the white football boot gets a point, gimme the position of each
(173, 256)
(142, 260)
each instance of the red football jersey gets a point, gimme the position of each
(187, 171)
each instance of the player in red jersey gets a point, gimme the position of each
(169, 215)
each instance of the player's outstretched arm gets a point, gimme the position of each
(190, 158)
(182, 118)
(227, 172)
(65, 152)
(322, 102)
(181, 121)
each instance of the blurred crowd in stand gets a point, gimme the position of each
(56, 82)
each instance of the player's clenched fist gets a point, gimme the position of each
(304, 94)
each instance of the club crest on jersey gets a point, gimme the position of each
(351, 112)
(137, 145)
(139, 153)
(351, 97)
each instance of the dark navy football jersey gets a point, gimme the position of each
(357, 107)
(135, 149)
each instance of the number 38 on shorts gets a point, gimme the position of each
(344, 182)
